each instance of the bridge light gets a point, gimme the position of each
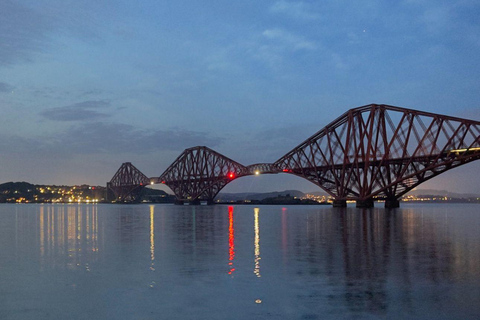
(231, 175)
(152, 182)
(257, 172)
(163, 181)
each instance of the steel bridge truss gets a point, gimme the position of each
(374, 152)
(127, 183)
(199, 173)
(382, 152)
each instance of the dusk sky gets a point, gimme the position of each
(87, 85)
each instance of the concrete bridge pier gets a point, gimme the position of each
(195, 202)
(392, 203)
(339, 203)
(367, 203)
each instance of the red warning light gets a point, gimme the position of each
(163, 181)
(231, 175)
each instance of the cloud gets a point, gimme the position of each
(105, 138)
(5, 87)
(298, 10)
(274, 46)
(22, 32)
(14, 145)
(81, 111)
(102, 137)
(26, 31)
(288, 40)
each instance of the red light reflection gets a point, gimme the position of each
(231, 240)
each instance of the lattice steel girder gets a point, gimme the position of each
(382, 151)
(199, 173)
(127, 175)
(127, 183)
(261, 168)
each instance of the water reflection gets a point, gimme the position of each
(256, 269)
(68, 235)
(152, 237)
(366, 243)
(152, 242)
(377, 249)
(231, 240)
(314, 262)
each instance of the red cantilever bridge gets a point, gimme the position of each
(374, 152)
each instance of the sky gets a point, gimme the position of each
(88, 85)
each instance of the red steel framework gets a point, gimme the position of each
(374, 152)
(199, 173)
(382, 152)
(127, 183)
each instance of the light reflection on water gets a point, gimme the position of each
(231, 240)
(196, 262)
(66, 237)
(256, 270)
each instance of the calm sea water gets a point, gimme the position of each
(239, 262)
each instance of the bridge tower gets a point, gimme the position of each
(127, 184)
(380, 152)
(199, 173)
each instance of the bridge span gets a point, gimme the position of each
(370, 153)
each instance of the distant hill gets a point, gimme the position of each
(422, 192)
(23, 187)
(11, 191)
(35, 193)
(318, 193)
(15, 192)
(442, 193)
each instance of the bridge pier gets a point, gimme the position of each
(392, 203)
(367, 203)
(339, 203)
(195, 202)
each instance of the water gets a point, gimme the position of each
(239, 262)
